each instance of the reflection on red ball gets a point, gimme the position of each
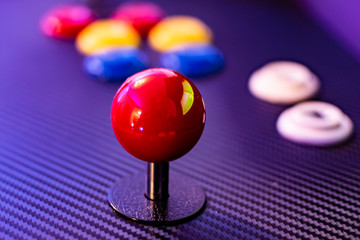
(141, 15)
(158, 115)
(66, 21)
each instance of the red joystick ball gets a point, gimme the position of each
(158, 115)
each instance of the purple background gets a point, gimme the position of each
(340, 18)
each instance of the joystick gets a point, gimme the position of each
(157, 115)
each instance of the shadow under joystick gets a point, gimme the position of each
(157, 115)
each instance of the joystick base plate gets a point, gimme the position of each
(185, 200)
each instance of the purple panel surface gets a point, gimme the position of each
(59, 156)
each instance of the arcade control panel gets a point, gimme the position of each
(234, 173)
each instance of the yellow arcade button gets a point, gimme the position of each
(103, 34)
(174, 31)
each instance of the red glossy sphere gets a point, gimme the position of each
(158, 115)
(141, 15)
(66, 21)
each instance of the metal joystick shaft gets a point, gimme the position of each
(157, 181)
(164, 201)
(157, 115)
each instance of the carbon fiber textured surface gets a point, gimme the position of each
(59, 156)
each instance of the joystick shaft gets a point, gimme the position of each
(157, 181)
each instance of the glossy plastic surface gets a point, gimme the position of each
(158, 115)
(115, 64)
(283, 82)
(175, 31)
(315, 123)
(194, 60)
(66, 21)
(141, 15)
(105, 34)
